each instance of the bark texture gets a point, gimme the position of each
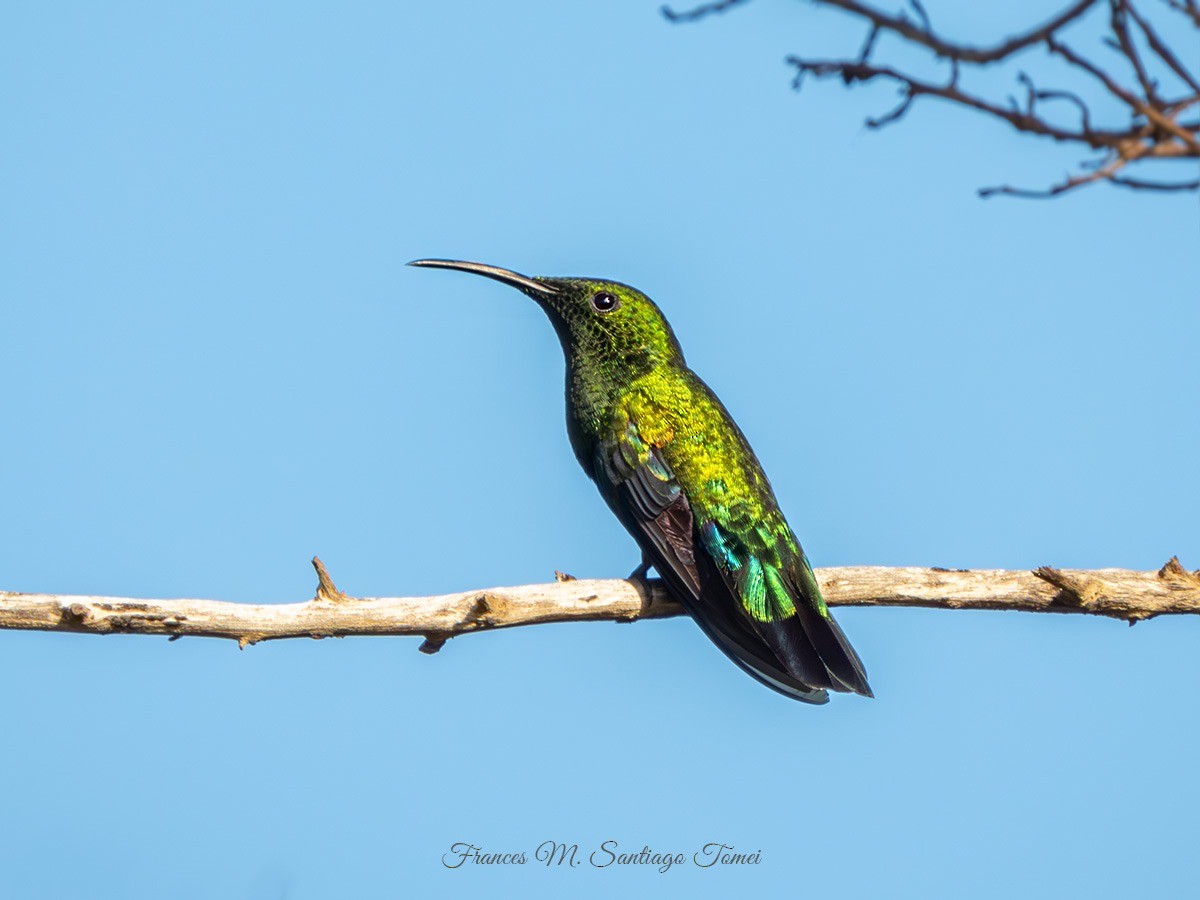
(1116, 593)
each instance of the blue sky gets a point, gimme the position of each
(217, 365)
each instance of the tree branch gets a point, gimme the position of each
(1153, 129)
(1116, 593)
(918, 33)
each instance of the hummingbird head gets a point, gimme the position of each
(594, 318)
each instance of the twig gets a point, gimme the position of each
(851, 72)
(1106, 171)
(1116, 593)
(699, 12)
(1139, 184)
(1165, 53)
(1189, 8)
(1118, 18)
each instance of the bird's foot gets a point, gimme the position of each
(640, 573)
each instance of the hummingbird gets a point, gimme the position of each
(675, 468)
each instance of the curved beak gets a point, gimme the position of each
(495, 272)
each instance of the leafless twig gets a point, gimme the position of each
(1189, 8)
(699, 12)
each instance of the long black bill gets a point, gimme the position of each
(506, 276)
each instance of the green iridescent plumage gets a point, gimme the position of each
(677, 471)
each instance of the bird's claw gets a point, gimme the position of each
(640, 573)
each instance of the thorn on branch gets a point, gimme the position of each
(1174, 572)
(326, 590)
(1075, 591)
(433, 643)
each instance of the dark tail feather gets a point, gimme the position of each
(754, 662)
(733, 635)
(835, 651)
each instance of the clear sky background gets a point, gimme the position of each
(216, 365)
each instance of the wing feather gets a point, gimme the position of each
(643, 491)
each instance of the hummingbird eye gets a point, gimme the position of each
(604, 302)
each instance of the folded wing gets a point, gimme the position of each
(767, 619)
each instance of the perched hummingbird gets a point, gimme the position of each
(679, 474)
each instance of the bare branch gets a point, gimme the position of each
(1153, 130)
(1165, 53)
(1189, 8)
(1145, 107)
(850, 72)
(1139, 184)
(919, 34)
(1119, 20)
(1085, 122)
(1101, 173)
(923, 34)
(1116, 593)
